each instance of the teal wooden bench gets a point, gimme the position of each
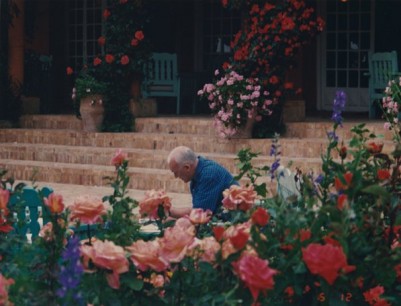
(161, 77)
(383, 67)
(29, 206)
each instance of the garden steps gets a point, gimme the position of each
(55, 148)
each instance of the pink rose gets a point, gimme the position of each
(149, 206)
(255, 273)
(239, 197)
(107, 255)
(87, 209)
(176, 240)
(55, 203)
(118, 158)
(145, 255)
(200, 216)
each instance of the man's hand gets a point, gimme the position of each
(178, 212)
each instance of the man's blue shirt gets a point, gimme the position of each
(208, 184)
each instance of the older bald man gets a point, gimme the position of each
(207, 179)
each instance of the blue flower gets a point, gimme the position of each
(338, 107)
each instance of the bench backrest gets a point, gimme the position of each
(161, 76)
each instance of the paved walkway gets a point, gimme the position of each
(70, 192)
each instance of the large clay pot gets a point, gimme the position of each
(245, 131)
(92, 113)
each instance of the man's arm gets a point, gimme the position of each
(178, 212)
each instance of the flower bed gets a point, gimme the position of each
(336, 244)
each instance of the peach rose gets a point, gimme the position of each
(176, 240)
(87, 209)
(4, 198)
(157, 280)
(145, 254)
(204, 249)
(55, 203)
(200, 216)
(149, 206)
(107, 255)
(239, 197)
(118, 158)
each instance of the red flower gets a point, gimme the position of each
(372, 296)
(124, 60)
(109, 58)
(343, 152)
(255, 273)
(4, 198)
(260, 217)
(374, 147)
(106, 14)
(118, 158)
(4, 226)
(340, 186)
(239, 240)
(383, 174)
(96, 61)
(288, 85)
(69, 70)
(342, 201)
(134, 42)
(304, 234)
(218, 232)
(101, 41)
(326, 261)
(287, 24)
(139, 35)
(273, 80)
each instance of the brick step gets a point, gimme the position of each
(203, 126)
(94, 175)
(140, 158)
(91, 175)
(290, 147)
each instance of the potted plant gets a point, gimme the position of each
(236, 102)
(124, 52)
(268, 42)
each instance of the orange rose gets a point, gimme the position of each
(150, 204)
(55, 203)
(176, 240)
(255, 273)
(4, 198)
(87, 209)
(200, 216)
(107, 255)
(145, 255)
(238, 197)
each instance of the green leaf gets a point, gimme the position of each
(134, 283)
(377, 191)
